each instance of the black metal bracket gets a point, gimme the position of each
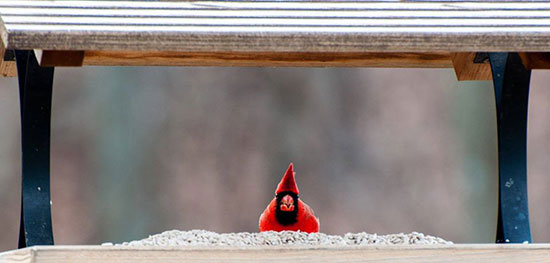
(9, 55)
(511, 84)
(35, 95)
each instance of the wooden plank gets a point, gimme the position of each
(486, 253)
(57, 58)
(282, 33)
(283, 12)
(536, 60)
(289, 4)
(7, 68)
(292, 59)
(466, 69)
(463, 63)
(236, 39)
(274, 21)
(281, 26)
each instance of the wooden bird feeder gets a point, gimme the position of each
(500, 41)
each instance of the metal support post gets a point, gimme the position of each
(511, 84)
(35, 94)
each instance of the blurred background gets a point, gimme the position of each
(136, 151)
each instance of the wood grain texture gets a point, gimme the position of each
(281, 33)
(487, 253)
(281, 26)
(536, 60)
(311, 59)
(7, 68)
(466, 69)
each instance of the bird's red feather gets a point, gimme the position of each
(306, 220)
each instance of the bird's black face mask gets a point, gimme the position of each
(286, 211)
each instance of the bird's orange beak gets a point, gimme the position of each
(287, 203)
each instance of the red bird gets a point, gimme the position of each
(286, 211)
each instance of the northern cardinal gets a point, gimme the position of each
(286, 211)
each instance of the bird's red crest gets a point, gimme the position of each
(288, 183)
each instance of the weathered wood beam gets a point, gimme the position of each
(487, 253)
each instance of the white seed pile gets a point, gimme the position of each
(207, 238)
